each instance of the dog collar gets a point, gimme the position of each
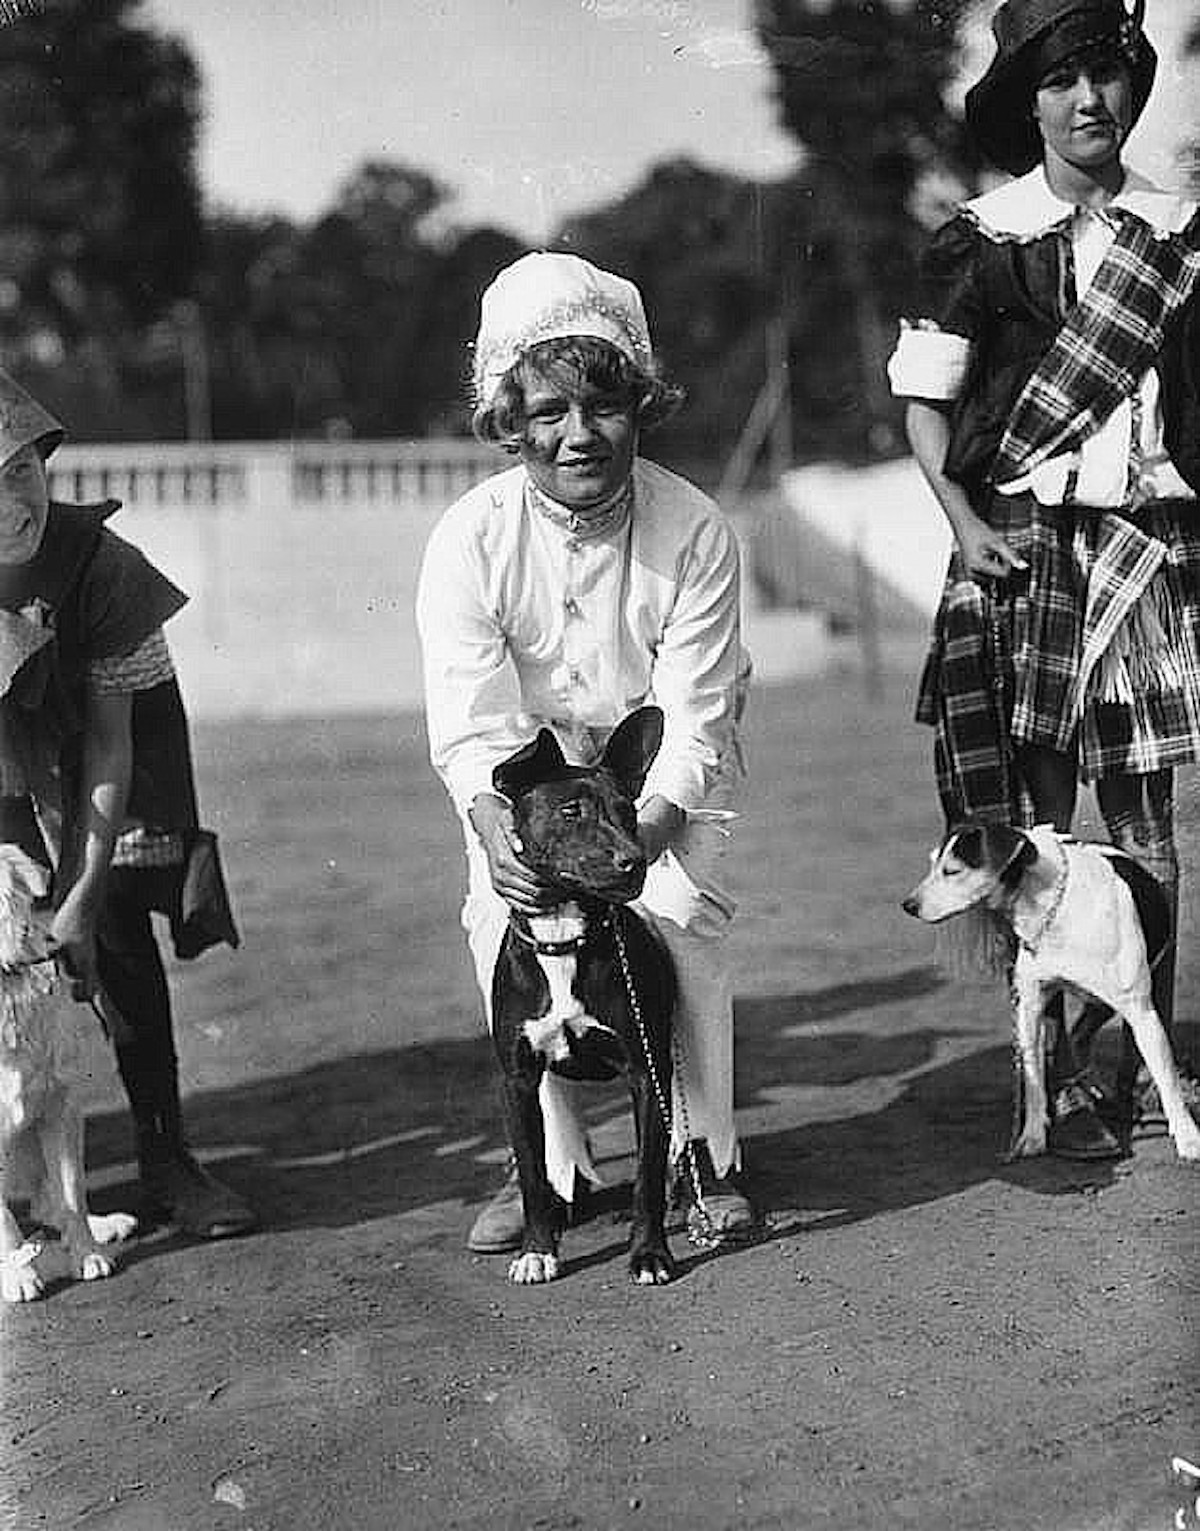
(555, 948)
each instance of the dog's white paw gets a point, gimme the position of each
(532, 1268)
(96, 1266)
(19, 1279)
(111, 1228)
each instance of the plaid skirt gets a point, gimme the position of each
(1094, 650)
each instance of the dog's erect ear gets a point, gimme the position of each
(539, 760)
(632, 746)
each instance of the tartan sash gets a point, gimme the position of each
(1105, 345)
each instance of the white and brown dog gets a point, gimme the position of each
(43, 1058)
(1086, 920)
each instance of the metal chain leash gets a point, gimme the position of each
(705, 1235)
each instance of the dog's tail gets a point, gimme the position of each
(974, 946)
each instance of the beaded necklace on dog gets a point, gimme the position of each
(1031, 942)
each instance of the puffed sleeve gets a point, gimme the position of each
(124, 599)
(696, 669)
(934, 349)
(472, 692)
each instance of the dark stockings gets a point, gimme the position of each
(131, 970)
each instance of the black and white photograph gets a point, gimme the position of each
(599, 724)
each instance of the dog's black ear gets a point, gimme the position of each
(632, 746)
(539, 760)
(1013, 851)
(1007, 851)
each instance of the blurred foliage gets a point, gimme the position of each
(136, 312)
(100, 211)
(862, 84)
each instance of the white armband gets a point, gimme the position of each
(928, 363)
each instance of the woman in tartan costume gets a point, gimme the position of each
(1052, 384)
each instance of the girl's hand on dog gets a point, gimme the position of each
(659, 822)
(519, 887)
(74, 942)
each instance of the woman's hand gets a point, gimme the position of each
(984, 552)
(73, 933)
(519, 887)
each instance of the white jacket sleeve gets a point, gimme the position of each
(696, 669)
(472, 695)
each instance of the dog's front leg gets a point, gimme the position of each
(650, 1262)
(538, 1260)
(19, 1278)
(1155, 1048)
(66, 1197)
(1028, 1001)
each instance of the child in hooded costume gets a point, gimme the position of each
(96, 781)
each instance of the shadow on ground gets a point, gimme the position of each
(869, 1120)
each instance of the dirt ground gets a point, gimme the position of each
(926, 1337)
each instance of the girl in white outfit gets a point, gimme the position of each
(564, 593)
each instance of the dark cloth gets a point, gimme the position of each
(102, 598)
(1009, 296)
(135, 982)
(1107, 342)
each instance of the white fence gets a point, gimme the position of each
(301, 560)
(238, 473)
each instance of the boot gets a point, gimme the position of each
(1076, 1129)
(176, 1188)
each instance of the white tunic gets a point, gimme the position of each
(525, 624)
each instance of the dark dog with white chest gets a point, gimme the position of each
(1086, 920)
(587, 989)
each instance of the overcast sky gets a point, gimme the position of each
(527, 109)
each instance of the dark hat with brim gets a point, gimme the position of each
(1031, 37)
(23, 422)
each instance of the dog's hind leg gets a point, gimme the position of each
(65, 1194)
(1155, 1048)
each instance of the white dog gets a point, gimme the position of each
(1082, 917)
(43, 1058)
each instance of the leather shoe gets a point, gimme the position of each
(500, 1227)
(178, 1189)
(724, 1214)
(1075, 1131)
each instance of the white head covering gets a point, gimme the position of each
(545, 296)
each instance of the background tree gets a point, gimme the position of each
(1190, 155)
(861, 85)
(710, 252)
(353, 324)
(100, 213)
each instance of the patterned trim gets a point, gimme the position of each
(146, 666)
(1026, 209)
(578, 316)
(142, 847)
